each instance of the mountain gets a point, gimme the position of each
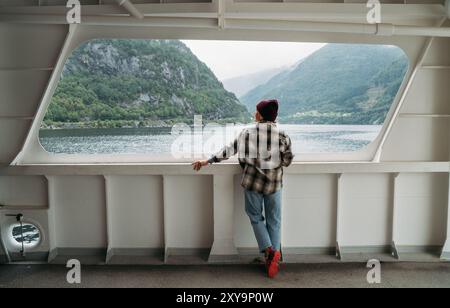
(243, 84)
(117, 83)
(338, 84)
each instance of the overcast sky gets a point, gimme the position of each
(228, 59)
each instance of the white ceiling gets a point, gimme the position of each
(96, 2)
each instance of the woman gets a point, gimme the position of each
(262, 178)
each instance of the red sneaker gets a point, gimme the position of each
(273, 263)
(268, 257)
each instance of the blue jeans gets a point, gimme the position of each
(267, 234)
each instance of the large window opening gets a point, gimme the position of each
(125, 96)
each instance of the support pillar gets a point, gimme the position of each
(223, 249)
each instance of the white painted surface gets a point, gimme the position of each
(30, 46)
(366, 210)
(309, 211)
(422, 209)
(430, 93)
(15, 101)
(427, 140)
(439, 53)
(23, 191)
(135, 211)
(188, 211)
(12, 135)
(24, 49)
(79, 211)
(223, 191)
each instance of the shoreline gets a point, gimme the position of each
(190, 125)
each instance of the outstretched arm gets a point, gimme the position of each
(224, 154)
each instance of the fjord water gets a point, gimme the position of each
(158, 141)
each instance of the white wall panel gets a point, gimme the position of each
(21, 91)
(421, 209)
(79, 211)
(22, 47)
(309, 211)
(135, 211)
(430, 93)
(188, 211)
(418, 139)
(366, 210)
(30, 46)
(439, 53)
(422, 138)
(12, 136)
(23, 191)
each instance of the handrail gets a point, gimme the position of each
(223, 168)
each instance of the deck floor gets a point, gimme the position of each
(233, 276)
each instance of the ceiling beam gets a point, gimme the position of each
(348, 12)
(384, 29)
(228, 14)
(129, 6)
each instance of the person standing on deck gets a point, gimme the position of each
(263, 150)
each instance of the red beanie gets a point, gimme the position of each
(268, 109)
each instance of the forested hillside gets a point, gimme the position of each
(339, 84)
(117, 83)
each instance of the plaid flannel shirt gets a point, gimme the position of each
(262, 163)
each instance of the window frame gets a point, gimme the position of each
(35, 153)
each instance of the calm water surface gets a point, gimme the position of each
(158, 141)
